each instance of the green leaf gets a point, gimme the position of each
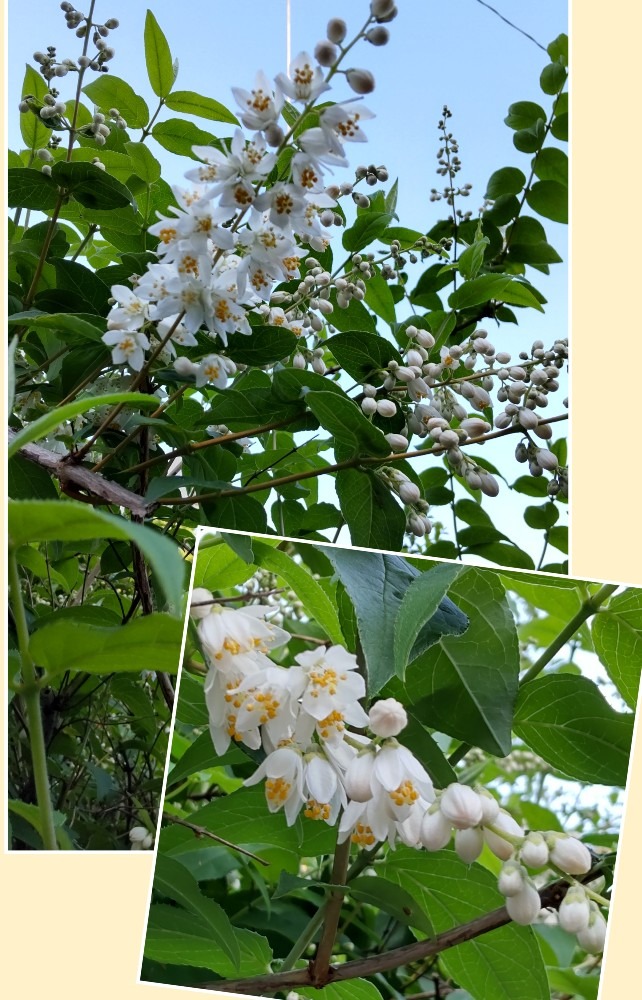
(355, 317)
(355, 989)
(466, 686)
(559, 128)
(570, 983)
(108, 91)
(508, 180)
(551, 164)
(565, 720)
(350, 428)
(27, 188)
(191, 103)
(472, 258)
(504, 554)
(91, 186)
(55, 520)
(218, 568)
(376, 585)
(366, 229)
(11, 372)
(558, 49)
(266, 345)
(241, 513)
(313, 597)
(541, 518)
(374, 517)
(500, 287)
(617, 636)
(144, 164)
(419, 604)
(552, 78)
(31, 813)
(89, 327)
(361, 355)
(149, 643)
(43, 425)
(393, 899)
(175, 937)
(550, 199)
(201, 756)
(178, 136)
(524, 114)
(158, 58)
(379, 298)
(35, 133)
(173, 880)
(505, 964)
(25, 480)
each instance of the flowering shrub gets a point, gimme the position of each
(389, 766)
(175, 344)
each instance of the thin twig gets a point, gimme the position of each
(201, 831)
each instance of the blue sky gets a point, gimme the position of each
(457, 53)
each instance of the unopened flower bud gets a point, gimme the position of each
(183, 366)
(298, 361)
(461, 805)
(397, 442)
(387, 717)
(378, 36)
(574, 911)
(386, 408)
(512, 878)
(337, 30)
(436, 831)
(325, 53)
(274, 134)
(546, 459)
(568, 853)
(318, 366)
(592, 938)
(361, 81)
(381, 8)
(500, 847)
(489, 804)
(200, 595)
(358, 777)
(409, 492)
(524, 907)
(140, 838)
(534, 851)
(369, 405)
(469, 844)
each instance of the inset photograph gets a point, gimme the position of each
(392, 776)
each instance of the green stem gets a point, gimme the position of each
(31, 698)
(304, 939)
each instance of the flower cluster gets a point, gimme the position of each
(327, 757)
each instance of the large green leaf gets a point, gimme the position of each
(393, 899)
(376, 585)
(500, 287)
(366, 228)
(375, 519)
(28, 188)
(550, 199)
(565, 720)
(505, 964)
(158, 57)
(91, 186)
(266, 345)
(313, 597)
(466, 686)
(201, 756)
(41, 427)
(88, 327)
(363, 355)
(354, 989)
(178, 136)
(352, 431)
(56, 520)
(617, 636)
(418, 606)
(176, 937)
(35, 133)
(148, 643)
(174, 881)
(108, 91)
(379, 298)
(191, 103)
(218, 568)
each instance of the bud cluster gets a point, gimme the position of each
(327, 757)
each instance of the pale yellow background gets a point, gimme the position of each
(73, 925)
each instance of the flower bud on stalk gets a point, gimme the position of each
(525, 906)
(512, 879)
(387, 717)
(568, 853)
(461, 805)
(360, 80)
(199, 596)
(436, 830)
(574, 911)
(337, 30)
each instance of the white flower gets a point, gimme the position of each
(265, 700)
(524, 906)
(574, 911)
(128, 347)
(387, 717)
(399, 772)
(461, 806)
(366, 823)
(325, 793)
(226, 632)
(131, 311)
(262, 106)
(568, 853)
(212, 371)
(305, 81)
(328, 681)
(284, 787)
(140, 838)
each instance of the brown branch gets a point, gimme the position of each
(201, 831)
(320, 967)
(98, 489)
(551, 897)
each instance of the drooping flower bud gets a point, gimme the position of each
(500, 847)
(436, 831)
(534, 851)
(490, 805)
(325, 53)
(358, 777)
(512, 879)
(574, 911)
(524, 907)
(361, 81)
(369, 405)
(140, 838)
(469, 844)
(397, 442)
(409, 492)
(593, 937)
(461, 805)
(337, 30)
(198, 607)
(387, 717)
(568, 853)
